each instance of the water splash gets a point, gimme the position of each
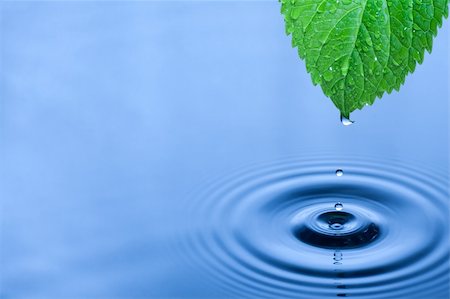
(336, 229)
(393, 233)
(338, 206)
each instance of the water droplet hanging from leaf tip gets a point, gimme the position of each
(346, 121)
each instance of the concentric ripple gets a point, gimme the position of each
(294, 229)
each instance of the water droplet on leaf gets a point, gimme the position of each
(295, 13)
(344, 67)
(328, 75)
(346, 121)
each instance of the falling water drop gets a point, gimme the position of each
(337, 256)
(346, 121)
(339, 172)
(338, 206)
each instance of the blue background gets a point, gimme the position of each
(112, 112)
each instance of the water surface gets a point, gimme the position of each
(178, 150)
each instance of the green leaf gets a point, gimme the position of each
(359, 49)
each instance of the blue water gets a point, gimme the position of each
(178, 149)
